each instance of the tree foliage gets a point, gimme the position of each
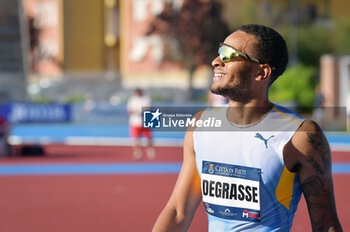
(296, 85)
(192, 33)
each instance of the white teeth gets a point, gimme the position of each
(218, 76)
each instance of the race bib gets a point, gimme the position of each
(231, 191)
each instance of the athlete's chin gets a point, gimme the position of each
(216, 89)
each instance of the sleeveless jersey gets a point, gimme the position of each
(245, 183)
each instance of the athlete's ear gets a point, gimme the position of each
(264, 72)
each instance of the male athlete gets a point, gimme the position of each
(250, 176)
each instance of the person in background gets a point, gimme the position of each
(134, 108)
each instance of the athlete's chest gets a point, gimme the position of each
(236, 146)
(236, 170)
(259, 150)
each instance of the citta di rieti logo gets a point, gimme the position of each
(166, 119)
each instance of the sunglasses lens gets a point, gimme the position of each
(227, 54)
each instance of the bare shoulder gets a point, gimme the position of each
(308, 146)
(191, 127)
(312, 152)
(310, 137)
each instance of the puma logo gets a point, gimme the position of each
(259, 136)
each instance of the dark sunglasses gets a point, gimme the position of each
(228, 53)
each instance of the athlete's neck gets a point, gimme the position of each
(244, 114)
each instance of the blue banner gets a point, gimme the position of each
(30, 112)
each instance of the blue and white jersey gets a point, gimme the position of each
(245, 183)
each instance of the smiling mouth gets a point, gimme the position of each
(218, 76)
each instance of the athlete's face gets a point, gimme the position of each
(233, 79)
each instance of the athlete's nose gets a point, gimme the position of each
(217, 62)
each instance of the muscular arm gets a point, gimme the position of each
(178, 212)
(309, 155)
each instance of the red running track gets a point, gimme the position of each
(109, 202)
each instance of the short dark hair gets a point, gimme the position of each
(271, 47)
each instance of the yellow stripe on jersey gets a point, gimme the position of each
(284, 190)
(285, 116)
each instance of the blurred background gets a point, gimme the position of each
(68, 68)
